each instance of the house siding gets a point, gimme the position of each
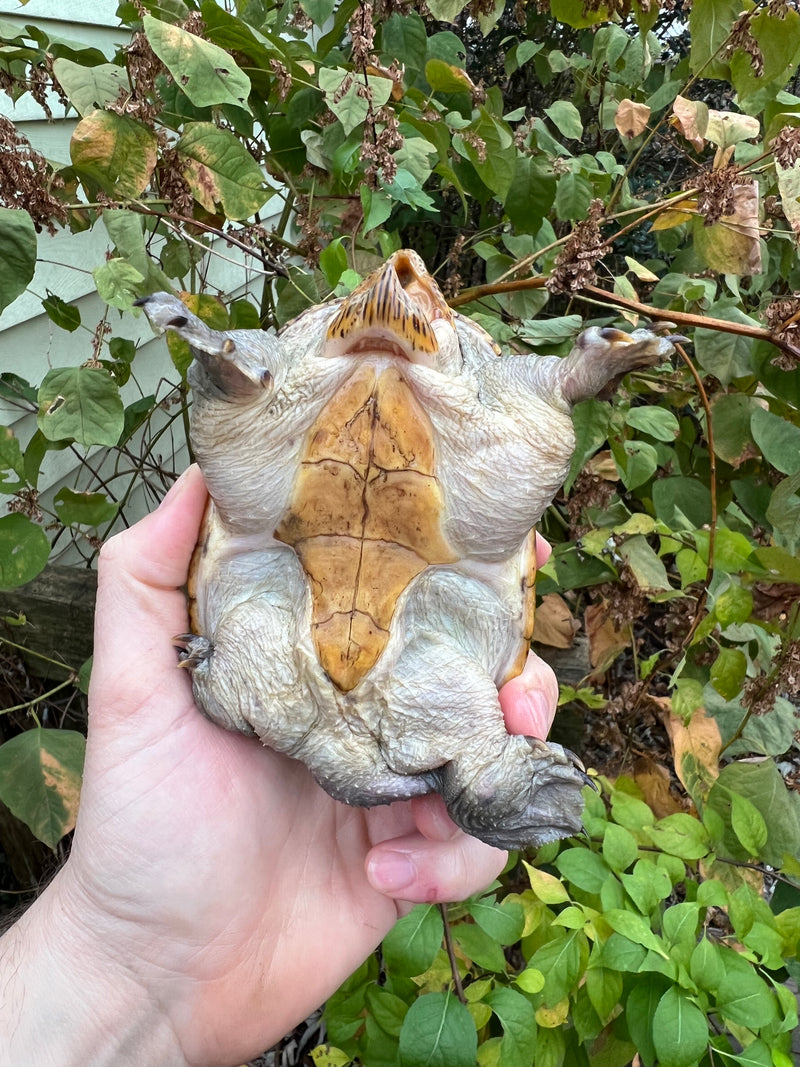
(30, 343)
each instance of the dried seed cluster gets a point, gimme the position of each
(575, 264)
(26, 181)
(715, 197)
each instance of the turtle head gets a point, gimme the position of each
(398, 310)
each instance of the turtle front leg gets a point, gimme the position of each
(602, 354)
(229, 364)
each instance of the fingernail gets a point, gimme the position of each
(175, 489)
(392, 872)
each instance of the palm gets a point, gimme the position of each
(215, 871)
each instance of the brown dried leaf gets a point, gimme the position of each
(605, 641)
(654, 781)
(690, 118)
(631, 119)
(696, 747)
(554, 624)
(603, 466)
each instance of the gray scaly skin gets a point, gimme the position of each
(426, 716)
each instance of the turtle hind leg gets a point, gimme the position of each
(530, 793)
(370, 788)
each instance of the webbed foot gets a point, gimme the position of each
(531, 795)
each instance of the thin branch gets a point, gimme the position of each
(37, 700)
(451, 954)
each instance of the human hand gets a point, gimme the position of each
(212, 883)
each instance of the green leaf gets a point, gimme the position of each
(647, 568)
(710, 22)
(733, 604)
(17, 254)
(90, 87)
(84, 509)
(640, 1007)
(333, 261)
(679, 923)
(531, 195)
(574, 194)
(116, 152)
(784, 512)
(779, 41)
(658, 422)
(207, 74)
(404, 38)
(515, 1012)
(604, 988)
(745, 999)
(637, 463)
(728, 672)
(446, 77)
(388, 1010)
(760, 783)
(748, 824)
(566, 118)
(479, 947)
(446, 10)
(350, 108)
(680, 1031)
(40, 779)
(553, 331)
(619, 847)
(118, 283)
(61, 313)
(438, 1031)
(85, 674)
(680, 835)
(24, 550)
(319, 11)
(706, 966)
(10, 460)
(220, 170)
(725, 355)
(82, 404)
(778, 439)
(410, 946)
(503, 922)
(560, 961)
(530, 980)
(585, 869)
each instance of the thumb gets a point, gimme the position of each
(140, 605)
(529, 701)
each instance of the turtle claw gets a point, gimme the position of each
(193, 651)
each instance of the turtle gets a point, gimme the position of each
(363, 582)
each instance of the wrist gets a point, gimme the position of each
(64, 1001)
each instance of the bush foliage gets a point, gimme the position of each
(583, 160)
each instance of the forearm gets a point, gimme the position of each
(62, 1001)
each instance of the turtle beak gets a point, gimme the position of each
(393, 311)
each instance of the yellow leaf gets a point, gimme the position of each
(550, 1018)
(683, 211)
(732, 245)
(695, 748)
